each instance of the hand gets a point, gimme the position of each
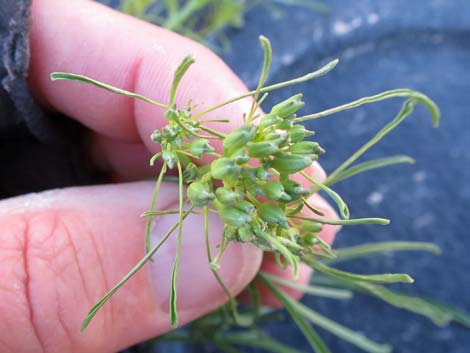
(61, 250)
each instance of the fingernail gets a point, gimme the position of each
(198, 292)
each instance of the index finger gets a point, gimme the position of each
(87, 38)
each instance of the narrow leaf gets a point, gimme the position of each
(342, 206)
(179, 73)
(55, 76)
(382, 278)
(370, 249)
(353, 337)
(369, 165)
(312, 337)
(319, 291)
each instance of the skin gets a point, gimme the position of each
(61, 250)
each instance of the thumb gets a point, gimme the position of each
(62, 250)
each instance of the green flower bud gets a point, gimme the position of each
(298, 133)
(245, 207)
(199, 194)
(234, 217)
(286, 163)
(276, 136)
(269, 120)
(170, 132)
(311, 226)
(199, 147)
(263, 173)
(225, 168)
(156, 136)
(170, 158)
(294, 189)
(241, 157)
(309, 239)
(245, 234)
(286, 124)
(227, 197)
(262, 149)
(238, 139)
(190, 172)
(272, 214)
(289, 106)
(171, 114)
(304, 147)
(274, 190)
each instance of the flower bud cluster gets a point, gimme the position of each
(250, 184)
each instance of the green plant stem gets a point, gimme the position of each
(148, 225)
(174, 275)
(232, 301)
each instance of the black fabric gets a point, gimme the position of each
(38, 150)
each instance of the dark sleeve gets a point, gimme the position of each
(38, 150)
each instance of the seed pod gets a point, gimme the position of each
(272, 214)
(274, 190)
(304, 147)
(199, 147)
(170, 158)
(298, 133)
(225, 168)
(269, 120)
(311, 226)
(234, 217)
(238, 138)
(199, 194)
(245, 207)
(262, 149)
(227, 197)
(286, 163)
(289, 106)
(156, 136)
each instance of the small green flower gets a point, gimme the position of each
(225, 168)
(274, 190)
(298, 133)
(227, 197)
(245, 234)
(238, 139)
(272, 214)
(199, 147)
(288, 107)
(156, 136)
(294, 189)
(234, 217)
(304, 147)
(246, 207)
(262, 149)
(286, 163)
(269, 120)
(170, 158)
(199, 194)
